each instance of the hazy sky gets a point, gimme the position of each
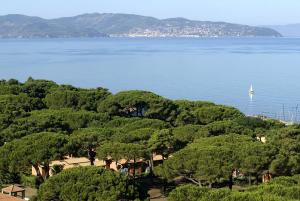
(253, 12)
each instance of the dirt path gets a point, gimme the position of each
(156, 195)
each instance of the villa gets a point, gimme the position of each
(72, 162)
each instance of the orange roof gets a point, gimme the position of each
(4, 197)
(77, 160)
(100, 162)
(157, 158)
(53, 163)
(13, 189)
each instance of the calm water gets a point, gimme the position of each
(218, 70)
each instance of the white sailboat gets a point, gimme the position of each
(251, 90)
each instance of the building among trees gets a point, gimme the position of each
(12, 191)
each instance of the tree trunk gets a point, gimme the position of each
(107, 164)
(92, 162)
(193, 180)
(165, 186)
(134, 167)
(230, 182)
(165, 156)
(249, 179)
(151, 164)
(40, 178)
(116, 163)
(47, 172)
(37, 170)
(256, 178)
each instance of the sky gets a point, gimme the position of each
(252, 12)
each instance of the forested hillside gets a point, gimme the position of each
(210, 152)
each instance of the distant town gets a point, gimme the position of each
(188, 32)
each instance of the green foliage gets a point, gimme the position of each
(284, 192)
(62, 99)
(200, 142)
(145, 123)
(8, 176)
(33, 150)
(37, 149)
(76, 98)
(196, 193)
(30, 181)
(82, 140)
(139, 136)
(285, 181)
(222, 128)
(260, 193)
(206, 115)
(130, 124)
(89, 183)
(254, 123)
(15, 105)
(10, 87)
(76, 119)
(162, 142)
(186, 111)
(203, 164)
(5, 121)
(38, 88)
(139, 104)
(187, 192)
(65, 120)
(216, 195)
(256, 157)
(186, 134)
(35, 123)
(192, 105)
(117, 151)
(120, 121)
(213, 158)
(287, 142)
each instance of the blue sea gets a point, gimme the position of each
(217, 70)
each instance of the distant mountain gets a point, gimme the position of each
(290, 30)
(21, 26)
(122, 25)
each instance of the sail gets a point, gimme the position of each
(251, 91)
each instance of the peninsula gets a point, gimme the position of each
(122, 25)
